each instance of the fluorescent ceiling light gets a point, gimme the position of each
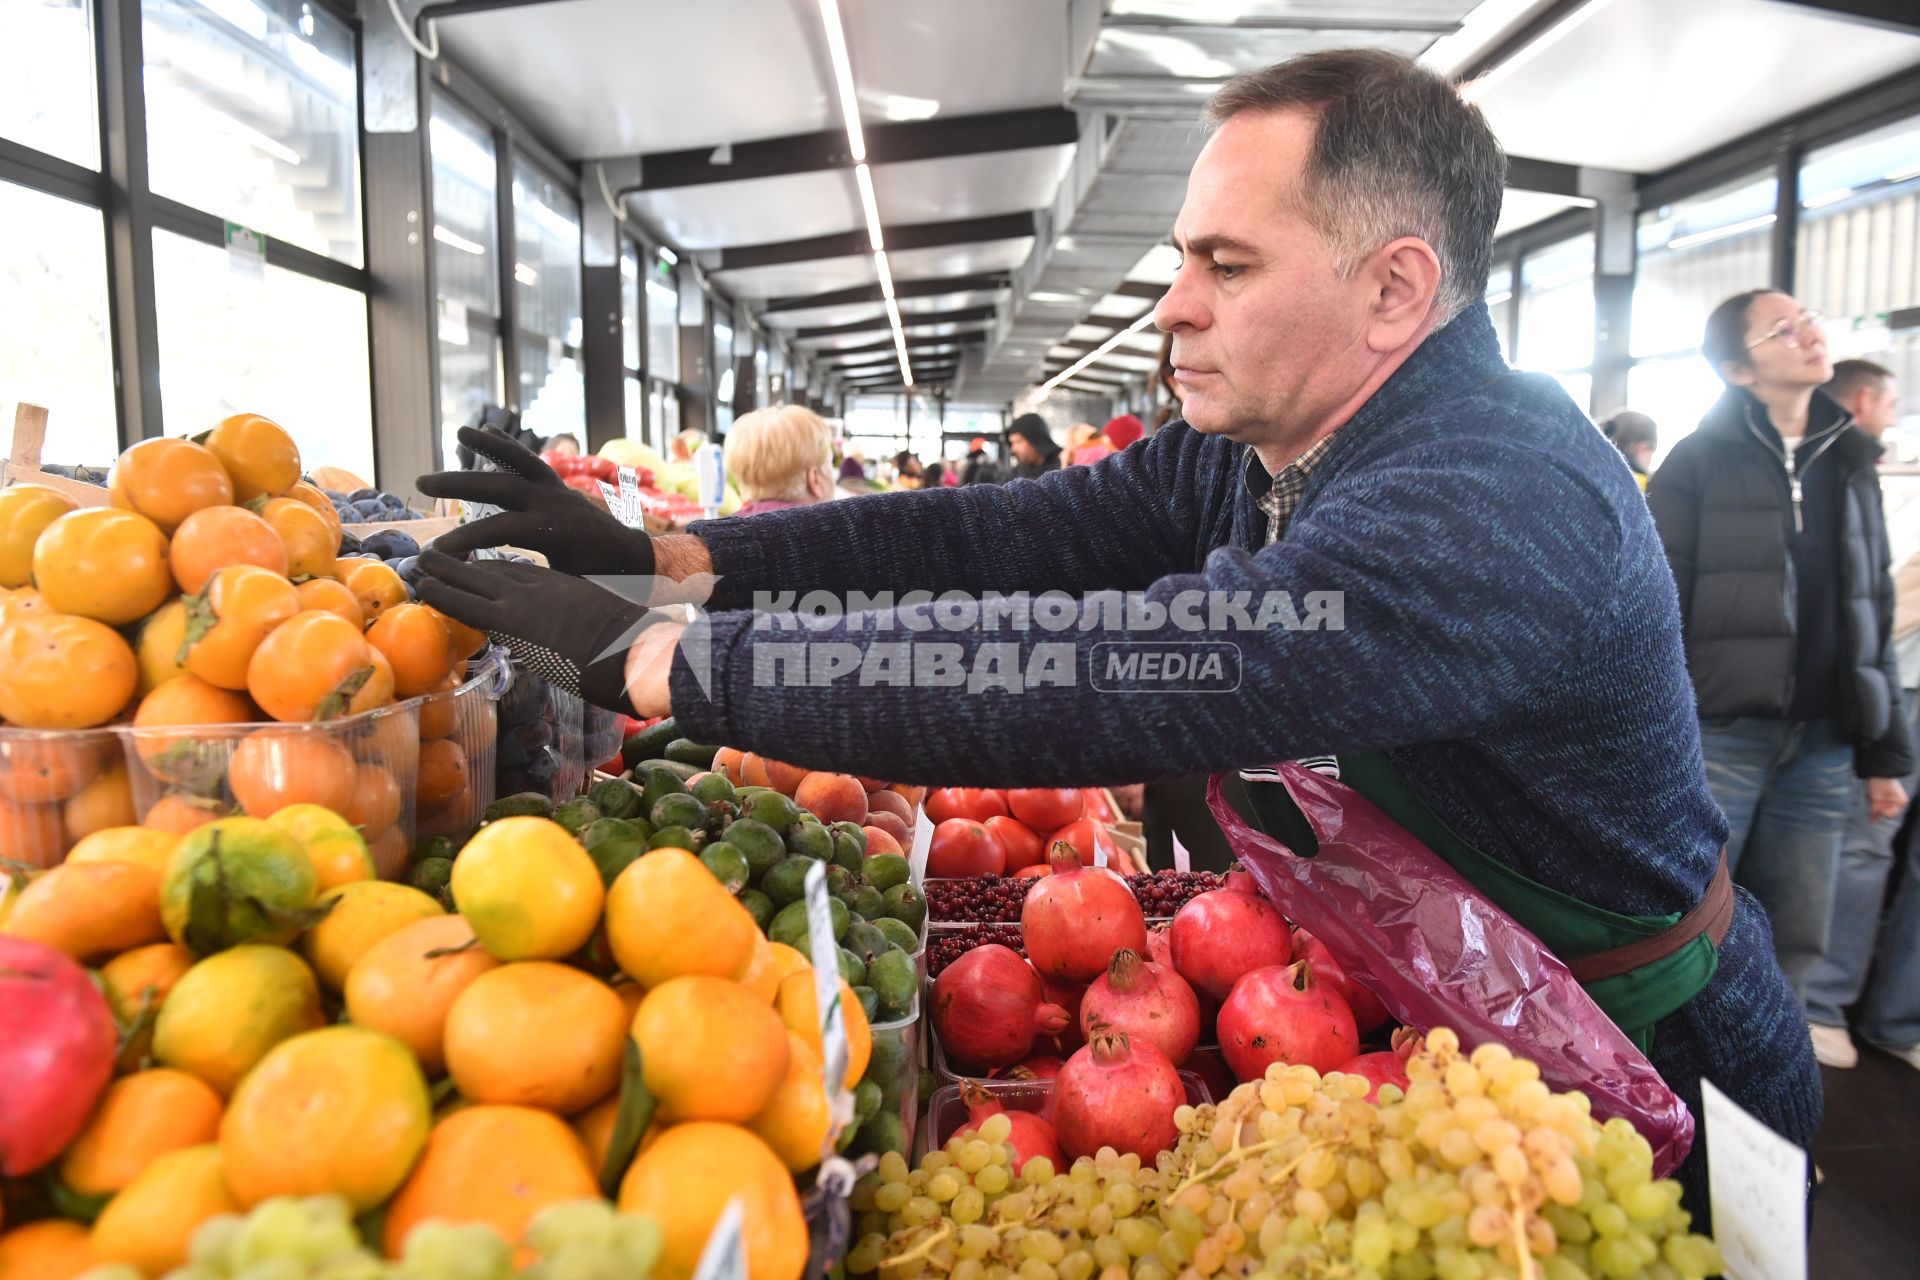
(525, 274)
(1475, 90)
(1720, 233)
(843, 78)
(667, 255)
(1826, 198)
(459, 242)
(1096, 353)
(863, 176)
(1478, 30)
(885, 273)
(1901, 175)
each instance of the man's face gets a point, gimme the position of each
(1023, 450)
(1267, 337)
(1876, 406)
(1783, 352)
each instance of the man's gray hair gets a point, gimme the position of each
(1396, 152)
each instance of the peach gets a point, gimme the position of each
(832, 797)
(913, 795)
(869, 784)
(758, 771)
(893, 825)
(726, 763)
(879, 842)
(890, 802)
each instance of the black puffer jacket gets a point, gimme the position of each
(1724, 506)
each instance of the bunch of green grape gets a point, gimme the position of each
(315, 1239)
(1477, 1172)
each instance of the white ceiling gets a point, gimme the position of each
(1524, 208)
(1642, 85)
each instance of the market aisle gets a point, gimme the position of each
(1864, 1225)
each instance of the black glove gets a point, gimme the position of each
(538, 512)
(570, 632)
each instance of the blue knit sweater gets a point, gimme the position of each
(1511, 640)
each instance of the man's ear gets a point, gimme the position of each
(1403, 279)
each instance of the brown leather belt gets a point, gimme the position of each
(1711, 916)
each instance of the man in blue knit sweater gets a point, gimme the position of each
(1502, 627)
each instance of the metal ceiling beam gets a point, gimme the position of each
(921, 378)
(928, 351)
(850, 244)
(901, 289)
(1092, 373)
(1156, 22)
(976, 329)
(1549, 177)
(908, 320)
(1890, 15)
(1141, 289)
(939, 138)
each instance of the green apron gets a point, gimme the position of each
(1635, 1000)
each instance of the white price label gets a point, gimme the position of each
(725, 1257)
(632, 510)
(472, 511)
(826, 980)
(1757, 1181)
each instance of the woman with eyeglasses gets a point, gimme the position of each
(1773, 526)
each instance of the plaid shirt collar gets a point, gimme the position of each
(1279, 495)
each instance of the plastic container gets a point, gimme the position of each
(947, 1110)
(424, 764)
(543, 744)
(895, 1067)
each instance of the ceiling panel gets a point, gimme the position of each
(916, 58)
(1213, 53)
(1158, 265)
(959, 260)
(1293, 10)
(968, 186)
(1115, 307)
(757, 211)
(847, 312)
(612, 77)
(1677, 79)
(841, 341)
(791, 278)
(1524, 208)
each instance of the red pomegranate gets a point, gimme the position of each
(988, 1006)
(1240, 880)
(1368, 1013)
(57, 1042)
(1114, 1093)
(1032, 1132)
(1221, 934)
(1384, 1067)
(1281, 1014)
(1068, 996)
(1076, 918)
(1149, 1002)
(1160, 945)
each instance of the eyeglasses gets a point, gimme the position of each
(1790, 331)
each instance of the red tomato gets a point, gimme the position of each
(1046, 808)
(1020, 841)
(600, 468)
(1034, 872)
(964, 848)
(976, 803)
(584, 483)
(1084, 835)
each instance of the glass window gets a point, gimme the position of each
(663, 415)
(1860, 214)
(1500, 304)
(1676, 392)
(54, 348)
(1693, 254)
(46, 78)
(466, 257)
(470, 373)
(636, 424)
(663, 321)
(253, 115)
(723, 356)
(277, 343)
(546, 296)
(1556, 308)
(631, 316)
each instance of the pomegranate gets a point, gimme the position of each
(1149, 1002)
(57, 1041)
(1222, 934)
(1041, 1066)
(1118, 1094)
(988, 1006)
(1368, 1013)
(1384, 1067)
(1068, 996)
(1160, 945)
(1032, 1132)
(1076, 918)
(1280, 1013)
(1240, 880)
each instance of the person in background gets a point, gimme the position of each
(1079, 436)
(781, 456)
(979, 468)
(1636, 437)
(907, 471)
(1115, 436)
(1771, 518)
(935, 476)
(853, 479)
(565, 443)
(1889, 1014)
(1033, 447)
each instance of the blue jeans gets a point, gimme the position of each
(1890, 1015)
(1787, 788)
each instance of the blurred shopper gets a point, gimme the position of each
(1772, 521)
(1859, 942)
(979, 468)
(781, 456)
(935, 476)
(1035, 452)
(853, 479)
(907, 471)
(565, 443)
(1079, 435)
(1636, 437)
(1115, 436)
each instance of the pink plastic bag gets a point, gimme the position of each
(1439, 953)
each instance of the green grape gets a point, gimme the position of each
(1613, 1256)
(919, 1211)
(575, 1222)
(969, 1205)
(1078, 1265)
(1037, 1170)
(994, 1179)
(974, 1156)
(1034, 1269)
(1136, 1235)
(283, 1268)
(892, 1197)
(441, 1251)
(213, 1241)
(1123, 1198)
(968, 1269)
(1372, 1244)
(893, 1166)
(996, 1128)
(944, 1186)
(114, 1271)
(1109, 1252)
(977, 1241)
(276, 1228)
(1609, 1220)
(1043, 1245)
(637, 1243)
(865, 1256)
(1692, 1255)
(362, 1266)
(197, 1271)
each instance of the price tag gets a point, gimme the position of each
(725, 1257)
(1757, 1182)
(472, 511)
(632, 510)
(246, 251)
(826, 987)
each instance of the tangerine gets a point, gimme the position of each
(168, 480)
(800, 1008)
(712, 933)
(536, 1034)
(494, 1165)
(684, 1181)
(709, 1049)
(361, 914)
(104, 564)
(150, 849)
(405, 983)
(88, 909)
(151, 1222)
(529, 890)
(237, 880)
(796, 1119)
(228, 1010)
(52, 1249)
(105, 802)
(136, 983)
(330, 841)
(214, 538)
(138, 1119)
